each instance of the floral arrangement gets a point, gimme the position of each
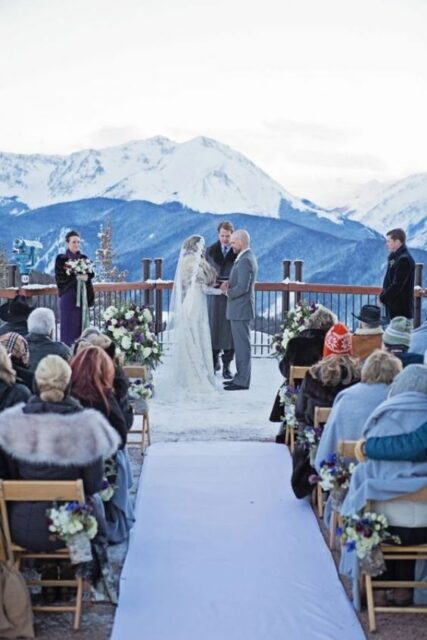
(334, 476)
(288, 398)
(71, 518)
(130, 328)
(364, 534)
(295, 322)
(108, 485)
(139, 389)
(79, 267)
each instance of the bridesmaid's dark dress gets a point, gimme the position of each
(70, 313)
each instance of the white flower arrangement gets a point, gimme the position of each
(363, 533)
(79, 267)
(72, 518)
(129, 326)
(296, 321)
(139, 389)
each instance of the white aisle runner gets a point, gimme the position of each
(221, 550)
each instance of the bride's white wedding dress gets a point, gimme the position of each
(187, 369)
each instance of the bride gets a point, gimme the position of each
(188, 372)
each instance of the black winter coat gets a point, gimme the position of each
(398, 287)
(41, 346)
(314, 394)
(121, 388)
(114, 415)
(11, 394)
(216, 258)
(303, 350)
(51, 441)
(65, 282)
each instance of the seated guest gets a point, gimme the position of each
(93, 336)
(353, 406)
(327, 378)
(418, 342)
(92, 384)
(41, 328)
(51, 438)
(397, 338)
(11, 392)
(368, 336)
(17, 348)
(381, 481)
(303, 350)
(14, 314)
(407, 446)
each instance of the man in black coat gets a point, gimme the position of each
(221, 257)
(41, 328)
(14, 314)
(398, 288)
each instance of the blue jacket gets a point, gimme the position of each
(407, 446)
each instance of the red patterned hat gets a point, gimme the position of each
(337, 341)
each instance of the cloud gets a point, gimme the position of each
(309, 130)
(337, 159)
(108, 135)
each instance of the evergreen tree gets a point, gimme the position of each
(106, 271)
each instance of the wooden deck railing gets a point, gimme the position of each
(273, 300)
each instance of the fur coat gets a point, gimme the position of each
(69, 444)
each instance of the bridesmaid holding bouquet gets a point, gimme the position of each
(74, 273)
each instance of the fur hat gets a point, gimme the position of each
(337, 341)
(16, 346)
(398, 332)
(15, 310)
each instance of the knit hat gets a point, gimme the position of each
(16, 346)
(412, 378)
(337, 341)
(398, 332)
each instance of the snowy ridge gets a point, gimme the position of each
(202, 174)
(394, 204)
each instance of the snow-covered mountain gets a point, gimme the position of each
(383, 206)
(201, 174)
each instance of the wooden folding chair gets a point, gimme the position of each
(321, 415)
(345, 449)
(135, 372)
(36, 491)
(397, 552)
(295, 373)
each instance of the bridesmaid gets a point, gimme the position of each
(71, 314)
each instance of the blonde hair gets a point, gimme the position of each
(380, 366)
(7, 372)
(52, 377)
(336, 369)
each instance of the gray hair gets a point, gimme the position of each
(243, 236)
(380, 366)
(322, 319)
(41, 321)
(412, 378)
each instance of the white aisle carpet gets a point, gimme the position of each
(221, 550)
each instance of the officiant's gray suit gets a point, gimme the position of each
(241, 310)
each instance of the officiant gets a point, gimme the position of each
(221, 257)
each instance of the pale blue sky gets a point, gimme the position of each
(316, 92)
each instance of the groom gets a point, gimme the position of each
(240, 290)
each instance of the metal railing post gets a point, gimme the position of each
(298, 278)
(158, 305)
(146, 268)
(285, 295)
(418, 300)
(11, 275)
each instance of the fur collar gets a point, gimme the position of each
(368, 331)
(74, 439)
